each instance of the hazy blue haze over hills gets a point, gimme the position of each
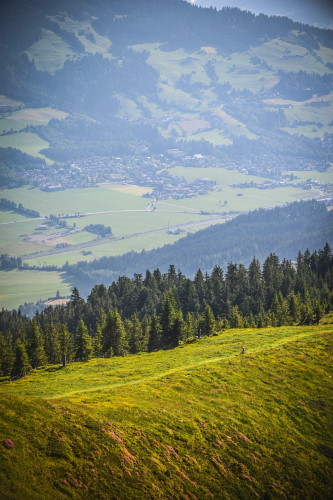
(316, 12)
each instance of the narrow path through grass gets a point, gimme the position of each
(191, 366)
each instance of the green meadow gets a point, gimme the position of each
(15, 236)
(27, 142)
(280, 54)
(18, 287)
(326, 177)
(20, 119)
(72, 201)
(50, 52)
(240, 200)
(198, 421)
(111, 249)
(117, 247)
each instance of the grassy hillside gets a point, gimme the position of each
(200, 421)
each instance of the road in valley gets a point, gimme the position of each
(101, 241)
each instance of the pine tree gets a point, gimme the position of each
(256, 287)
(167, 318)
(36, 347)
(66, 344)
(135, 335)
(235, 319)
(83, 343)
(207, 321)
(177, 328)
(199, 284)
(280, 309)
(154, 332)
(294, 307)
(21, 366)
(272, 278)
(318, 311)
(217, 292)
(114, 335)
(52, 344)
(6, 357)
(188, 328)
(98, 340)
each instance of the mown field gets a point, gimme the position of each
(18, 287)
(199, 421)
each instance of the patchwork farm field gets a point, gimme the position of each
(197, 420)
(133, 220)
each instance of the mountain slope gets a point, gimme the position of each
(160, 74)
(199, 421)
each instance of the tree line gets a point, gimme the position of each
(19, 209)
(284, 230)
(162, 310)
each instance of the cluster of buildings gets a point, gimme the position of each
(154, 171)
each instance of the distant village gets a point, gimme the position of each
(153, 171)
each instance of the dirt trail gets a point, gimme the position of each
(166, 373)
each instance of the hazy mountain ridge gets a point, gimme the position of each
(169, 66)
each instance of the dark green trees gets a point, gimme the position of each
(114, 335)
(161, 311)
(66, 344)
(83, 343)
(21, 365)
(207, 322)
(36, 347)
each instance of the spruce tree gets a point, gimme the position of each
(135, 335)
(36, 347)
(114, 335)
(188, 328)
(98, 341)
(207, 321)
(83, 343)
(154, 332)
(21, 366)
(235, 319)
(6, 357)
(52, 344)
(177, 329)
(66, 344)
(294, 307)
(167, 318)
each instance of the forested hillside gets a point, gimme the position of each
(160, 311)
(282, 230)
(134, 77)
